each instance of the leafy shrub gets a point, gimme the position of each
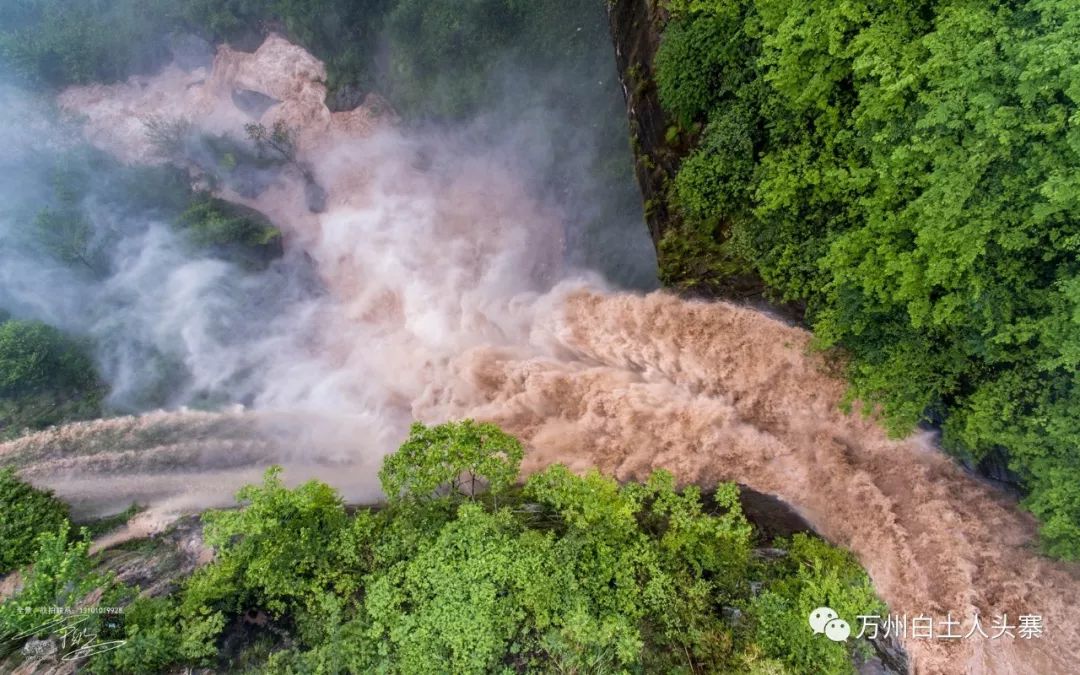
(66, 234)
(813, 574)
(35, 356)
(713, 182)
(699, 63)
(25, 512)
(443, 55)
(215, 222)
(449, 57)
(45, 377)
(442, 52)
(151, 639)
(450, 459)
(285, 547)
(63, 42)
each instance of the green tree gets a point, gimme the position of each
(568, 574)
(151, 639)
(702, 61)
(215, 222)
(455, 459)
(35, 356)
(285, 551)
(443, 52)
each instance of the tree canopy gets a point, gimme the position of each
(907, 172)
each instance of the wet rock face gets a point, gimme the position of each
(254, 103)
(636, 39)
(636, 26)
(39, 649)
(995, 467)
(772, 516)
(345, 98)
(314, 194)
(159, 563)
(889, 658)
(221, 92)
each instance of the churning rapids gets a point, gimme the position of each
(446, 298)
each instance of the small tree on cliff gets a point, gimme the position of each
(453, 460)
(278, 140)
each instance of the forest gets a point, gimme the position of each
(905, 173)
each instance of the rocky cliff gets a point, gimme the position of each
(634, 30)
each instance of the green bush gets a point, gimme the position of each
(61, 577)
(34, 356)
(452, 460)
(25, 512)
(46, 377)
(70, 231)
(151, 637)
(285, 547)
(442, 52)
(61, 42)
(215, 222)
(813, 574)
(443, 56)
(699, 63)
(714, 181)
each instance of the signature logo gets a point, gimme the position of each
(73, 638)
(826, 620)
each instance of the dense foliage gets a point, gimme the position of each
(46, 377)
(907, 171)
(812, 570)
(565, 574)
(446, 57)
(25, 511)
(214, 222)
(71, 216)
(95, 201)
(79, 41)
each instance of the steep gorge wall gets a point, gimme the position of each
(636, 38)
(659, 146)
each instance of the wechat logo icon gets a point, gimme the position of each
(825, 620)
